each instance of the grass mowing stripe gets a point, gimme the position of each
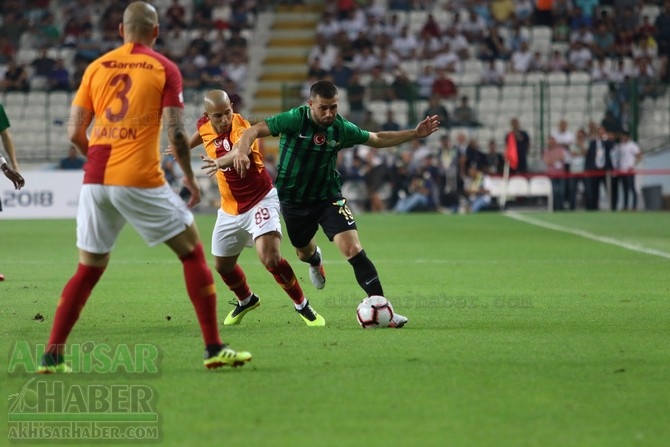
(588, 235)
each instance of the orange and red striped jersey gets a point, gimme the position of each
(127, 89)
(238, 194)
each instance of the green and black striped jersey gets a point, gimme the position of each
(306, 171)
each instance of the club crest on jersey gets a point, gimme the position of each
(219, 142)
(319, 138)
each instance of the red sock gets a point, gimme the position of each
(72, 300)
(237, 282)
(200, 288)
(285, 277)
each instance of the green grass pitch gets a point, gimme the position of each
(518, 334)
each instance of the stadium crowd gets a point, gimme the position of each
(361, 46)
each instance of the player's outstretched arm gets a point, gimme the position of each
(241, 160)
(193, 142)
(393, 138)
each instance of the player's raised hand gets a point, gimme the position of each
(426, 127)
(14, 176)
(209, 165)
(192, 185)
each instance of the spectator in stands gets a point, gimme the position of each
(378, 88)
(596, 162)
(340, 72)
(579, 57)
(328, 27)
(492, 74)
(344, 46)
(375, 176)
(554, 157)
(560, 32)
(370, 122)
(365, 60)
(557, 63)
(324, 51)
(72, 161)
(429, 46)
(175, 16)
(443, 86)
(435, 107)
(356, 98)
(520, 139)
(419, 194)
(521, 59)
(15, 79)
(388, 60)
(458, 42)
(402, 87)
(59, 77)
(627, 155)
(473, 156)
(474, 27)
(316, 70)
(236, 71)
(515, 39)
(577, 153)
(523, 11)
(179, 43)
(662, 26)
(603, 42)
(431, 27)
(390, 124)
(495, 162)
(42, 66)
(425, 81)
(583, 34)
(543, 15)
(537, 63)
(88, 47)
(502, 11)
(493, 46)
(405, 45)
(600, 71)
(477, 189)
(446, 59)
(464, 115)
(212, 74)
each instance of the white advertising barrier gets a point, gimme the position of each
(47, 194)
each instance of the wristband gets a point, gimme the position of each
(2, 161)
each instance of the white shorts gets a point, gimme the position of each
(157, 214)
(233, 233)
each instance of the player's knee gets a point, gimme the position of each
(271, 260)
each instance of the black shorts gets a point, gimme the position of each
(303, 220)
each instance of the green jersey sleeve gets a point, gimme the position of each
(353, 134)
(4, 121)
(285, 123)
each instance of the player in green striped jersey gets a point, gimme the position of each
(309, 186)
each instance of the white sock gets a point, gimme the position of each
(302, 305)
(245, 301)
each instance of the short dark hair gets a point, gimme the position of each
(324, 89)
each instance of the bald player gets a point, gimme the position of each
(249, 213)
(127, 91)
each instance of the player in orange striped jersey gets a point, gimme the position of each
(249, 212)
(128, 90)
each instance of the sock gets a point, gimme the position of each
(200, 288)
(285, 277)
(72, 300)
(366, 274)
(315, 259)
(237, 283)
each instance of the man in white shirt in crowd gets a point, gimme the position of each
(627, 155)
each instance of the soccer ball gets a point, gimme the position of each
(374, 312)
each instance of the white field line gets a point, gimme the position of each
(587, 235)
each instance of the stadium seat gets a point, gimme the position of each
(517, 186)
